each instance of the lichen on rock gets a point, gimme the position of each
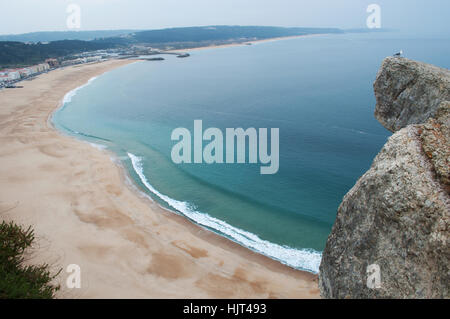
(435, 135)
(409, 92)
(398, 214)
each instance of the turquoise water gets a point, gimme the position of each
(316, 90)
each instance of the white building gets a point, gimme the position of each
(25, 72)
(13, 74)
(17, 74)
(94, 58)
(34, 69)
(43, 67)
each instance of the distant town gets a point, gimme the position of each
(9, 77)
(24, 56)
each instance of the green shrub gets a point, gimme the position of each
(19, 281)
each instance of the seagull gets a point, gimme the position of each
(399, 53)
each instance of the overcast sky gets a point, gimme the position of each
(20, 16)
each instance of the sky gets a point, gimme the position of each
(21, 16)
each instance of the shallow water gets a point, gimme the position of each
(316, 90)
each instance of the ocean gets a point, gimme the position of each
(317, 90)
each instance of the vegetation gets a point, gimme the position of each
(186, 34)
(23, 54)
(13, 53)
(198, 36)
(214, 33)
(17, 280)
(47, 36)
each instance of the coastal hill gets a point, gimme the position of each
(397, 215)
(18, 54)
(48, 36)
(189, 37)
(33, 48)
(182, 34)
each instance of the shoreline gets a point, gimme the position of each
(210, 259)
(236, 44)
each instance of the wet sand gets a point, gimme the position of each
(85, 211)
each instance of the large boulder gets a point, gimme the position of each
(409, 92)
(397, 215)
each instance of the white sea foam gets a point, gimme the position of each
(69, 95)
(306, 259)
(100, 147)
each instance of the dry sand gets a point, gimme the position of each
(247, 42)
(85, 212)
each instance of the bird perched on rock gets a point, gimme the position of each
(399, 54)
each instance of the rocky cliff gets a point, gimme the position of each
(409, 92)
(397, 215)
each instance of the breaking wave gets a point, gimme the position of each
(304, 259)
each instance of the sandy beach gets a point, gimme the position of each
(247, 43)
(85, 211)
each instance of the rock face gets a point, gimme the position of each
(409, 92)
(435, 135)
(397, 215)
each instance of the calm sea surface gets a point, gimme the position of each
(316, 90)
